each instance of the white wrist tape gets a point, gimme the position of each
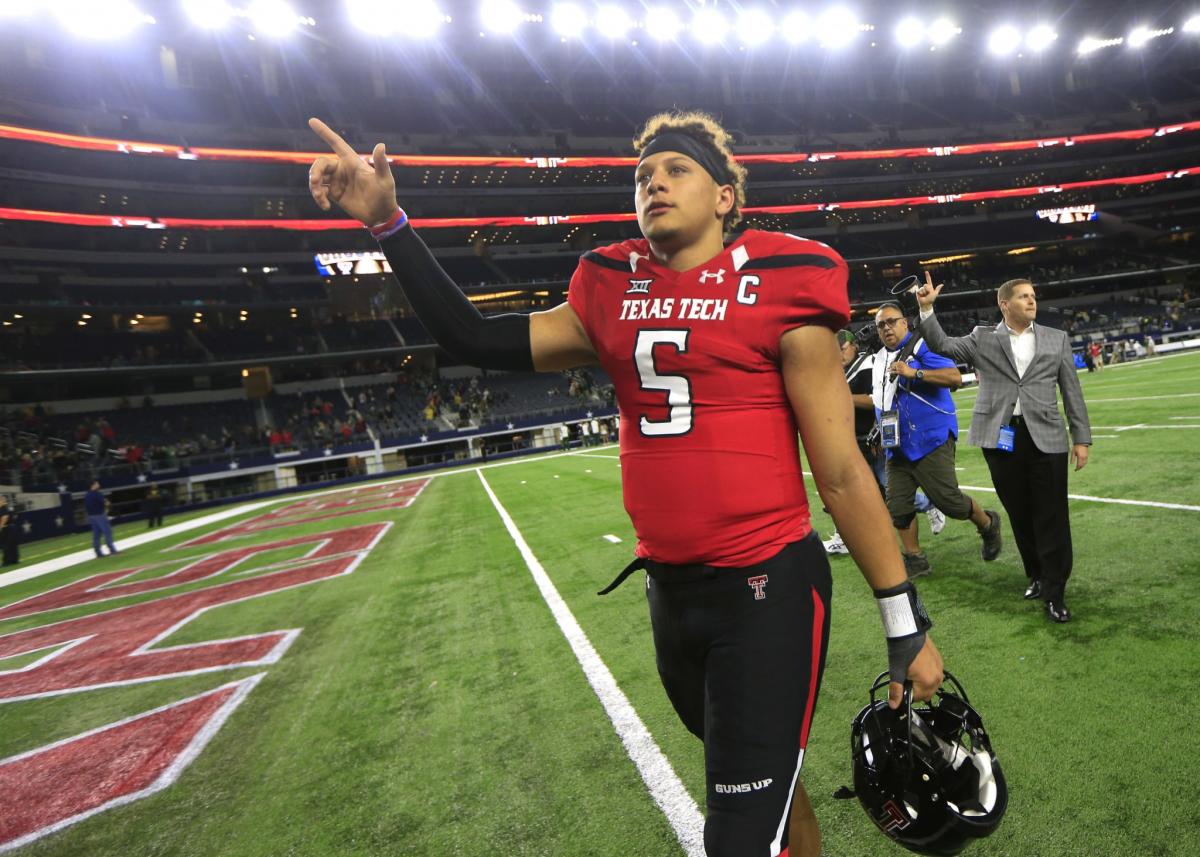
(902, 612)
(897, 614)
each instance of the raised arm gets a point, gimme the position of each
(820, 399)
(961, 349)
(546, 341)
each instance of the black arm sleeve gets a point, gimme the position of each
(497, 342)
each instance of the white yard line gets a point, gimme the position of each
(656, 771)
(1120, 501)
(1145, 398)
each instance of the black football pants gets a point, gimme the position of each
(740, 652)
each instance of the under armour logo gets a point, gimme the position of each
(893, 818)
(719, 275)
(639, 287)
(759, 585)
(633, 260)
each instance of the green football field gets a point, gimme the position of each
(431, 703)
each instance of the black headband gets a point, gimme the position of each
(672, 141)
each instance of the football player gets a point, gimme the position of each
(720, 348)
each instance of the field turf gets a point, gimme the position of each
(431, 705)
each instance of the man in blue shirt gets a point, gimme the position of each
(96, 507)
(911, 393)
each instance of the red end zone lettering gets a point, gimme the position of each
(351, 502)
(109, 766)
(50, 787)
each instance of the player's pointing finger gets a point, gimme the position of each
(339, 146)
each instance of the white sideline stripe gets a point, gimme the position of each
(1191, 417)
(1143, 398)
(593, 455)
(59, 563)
(616, 540)
(1146, 398)
(1117, 500)
(1145, 426)
(655, 769)
(1104, 435)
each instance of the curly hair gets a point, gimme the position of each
(707, 131)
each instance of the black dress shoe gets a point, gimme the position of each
(1057, 611)
(1033, 590)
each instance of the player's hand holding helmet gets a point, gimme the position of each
(927, 776)
(365, 192)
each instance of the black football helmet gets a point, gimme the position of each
(927, 776)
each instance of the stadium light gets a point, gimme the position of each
(273, 18)
(1040, 37)
(663, 24)
(208, 14)
(1004, 40)
(942, 31)
(422, 19)
(500, 16)
(910, 32)
(796, 28)
(1139, 36)
(418, 19)
(1091, 44)
(754, 27)
(838, 27)
(93, 19)
(1192, 24)
(17, 8)
(613, 21)
(709, 26)
(568, 20)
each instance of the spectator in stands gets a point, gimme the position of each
(910, 389)
(9, 535)
(153, 507)
(1021, 367)
(96, 505)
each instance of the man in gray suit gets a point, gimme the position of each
(1017, 423)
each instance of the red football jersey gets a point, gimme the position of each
(710, 459)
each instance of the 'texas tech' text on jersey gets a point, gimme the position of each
(709, 453)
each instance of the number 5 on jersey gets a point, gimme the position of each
(677, 387)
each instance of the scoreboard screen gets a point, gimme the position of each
(351, 264)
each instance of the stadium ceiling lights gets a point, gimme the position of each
(418, 19)
(613, 21)
(1004, 40)
(500, 16)
(663, 24)
(94, 19)
(1040, 37)
(1192, 24)
(1091, 44)
(796, 28)
(208, 14)
(754, 27)
(568, 20)
(837, 27)
(1139, 36)
(709, 26)
(911, 32)
(273, 18)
